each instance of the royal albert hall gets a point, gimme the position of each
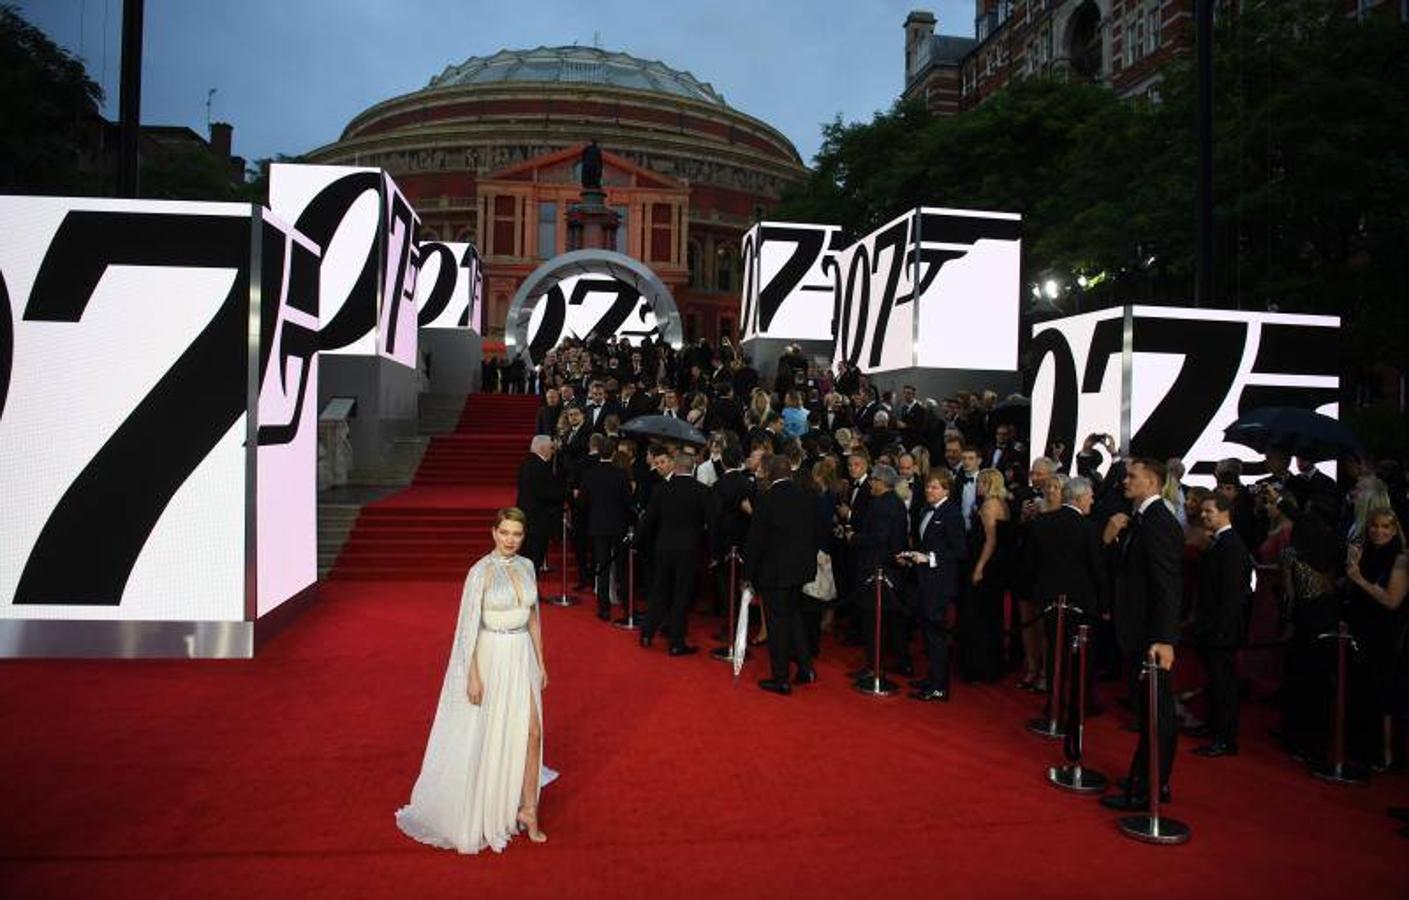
(489, 153)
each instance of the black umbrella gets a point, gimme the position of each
(665, 428)
(1300, 431)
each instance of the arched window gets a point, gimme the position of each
(724, 269)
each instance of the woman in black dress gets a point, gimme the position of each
(1378, 573)
(991, 538)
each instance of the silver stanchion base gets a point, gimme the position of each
(627, 623)
(1077, 779)
(1043, 727)
(561, 600)
(1154, 829)
(1344, 773)
(725, 654)
(877, 686)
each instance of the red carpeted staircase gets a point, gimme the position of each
(435, 529)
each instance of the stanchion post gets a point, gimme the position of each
(1335, 769)
(564, 599)
(1151, 828)
(1074, 776)
(876, 684)
(1051, 725)
(628, 622)
(725, 653)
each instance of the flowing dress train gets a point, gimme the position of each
(468, 793)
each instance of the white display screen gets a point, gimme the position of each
(447, 286)
(585, 304)
(396, 327)
(970, 289)
(789, 283)
(1193, 373)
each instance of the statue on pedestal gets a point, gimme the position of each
(592, 166)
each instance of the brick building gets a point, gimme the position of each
(488, 151)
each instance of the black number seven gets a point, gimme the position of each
(400, 211)
(87, 548)
(807, 246)
(893, 238)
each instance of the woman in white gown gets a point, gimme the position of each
(480, 778)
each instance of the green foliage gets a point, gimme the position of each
(1311, 159)
(49, 111)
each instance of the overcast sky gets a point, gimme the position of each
(289, 74)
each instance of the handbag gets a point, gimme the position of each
(823, 586)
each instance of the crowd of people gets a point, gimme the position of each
(828, 496)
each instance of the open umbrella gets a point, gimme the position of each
(1300, 431)
(665, 428)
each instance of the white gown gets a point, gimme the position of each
(468, 793)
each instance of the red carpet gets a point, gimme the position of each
(278, 777)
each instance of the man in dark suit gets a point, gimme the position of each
(938, 560)
(540, 495)
(731, 508)
(1062, 557)
(910, 415)
(670, 532)
(549, 412)
(1225, 571)
(606, 498)
(598, 407)
(883, 534)
(780, 557)
(724, 413)
(576, 450)
(1146, 613)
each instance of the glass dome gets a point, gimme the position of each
(577, 65)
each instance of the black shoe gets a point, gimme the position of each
(776, 686)
(683, 649)
(862, 674)
(1128, 802)
(805, 676)
(1216, 749)
(646, 639)
(931, 695)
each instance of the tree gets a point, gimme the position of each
(50, 109)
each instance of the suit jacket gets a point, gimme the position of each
(540, 492)
(1224, 578)
(1063, 556)
(1149, 588)
(675, 517)
(547, 420)
(882, 534)
(725, 413)
(944, 537)
(729, 524)
(609, 407)
(606, 493)
(574, 452)
(781, 548)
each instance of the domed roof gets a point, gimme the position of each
(577, 65)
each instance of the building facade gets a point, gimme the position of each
(488, 152)
(1119, 43)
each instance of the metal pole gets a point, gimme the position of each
(877, 685)
(1075, 777)
(1203, 43)
(130, 100)
(629, 622)
(564, 599)
(1335, 769)
(726, 652)
(1051, 727)
(1151, 828)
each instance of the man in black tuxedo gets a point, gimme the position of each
(670, 532)
(598, 407)
(576, 451)
(883, 534)
(548, 413)
(1062, 557)
(1147, 599)
(540, 495)
(732, 499)
(780, 557)
(724, 413)
(910, 416)
(606, 499)
(1225, 571)
(938, 560)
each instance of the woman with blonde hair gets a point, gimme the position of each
(1172, 493)
(760, 404)
(992, 536)
(482, 770)
(1378, 571)
(1369, 493)
(698, 407)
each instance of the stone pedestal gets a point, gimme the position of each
(592, 225)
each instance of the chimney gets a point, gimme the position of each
(919, 28)
(222, 136)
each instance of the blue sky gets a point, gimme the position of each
(289, 74)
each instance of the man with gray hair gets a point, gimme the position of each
(540, 496)
(883, 534)
(1062, 557)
